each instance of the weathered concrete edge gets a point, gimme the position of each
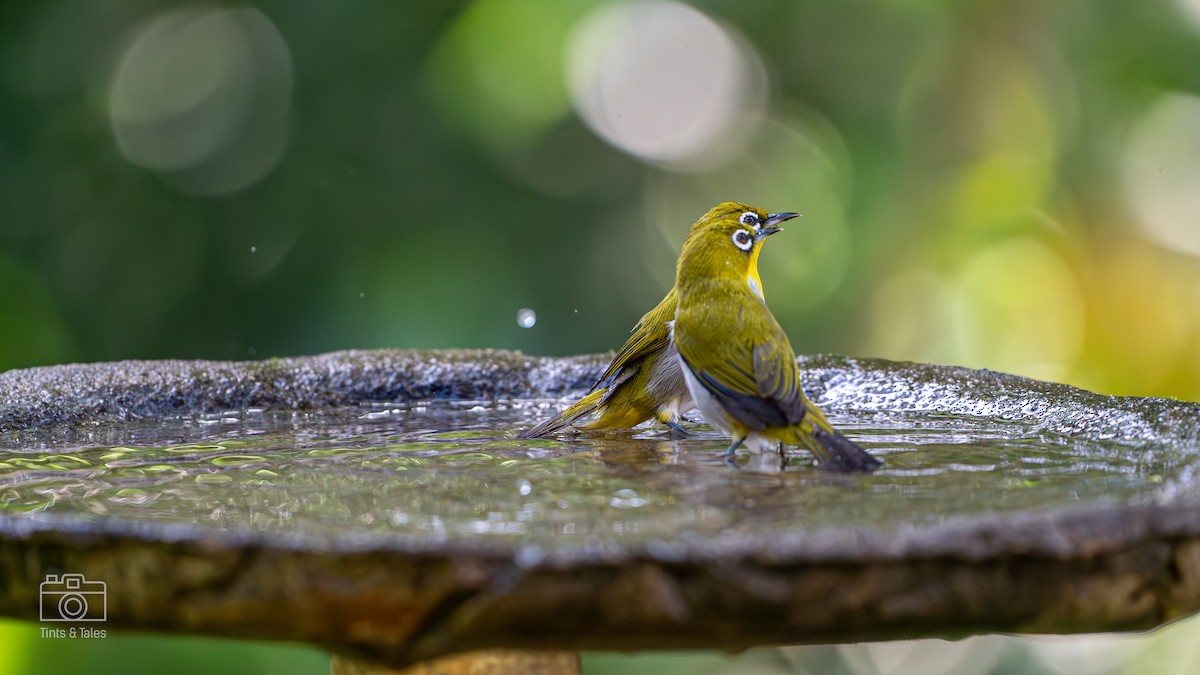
(979, 392)
(1065, 535)
(37, 397)
(399, 608)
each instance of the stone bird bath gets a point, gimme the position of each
(377, 504)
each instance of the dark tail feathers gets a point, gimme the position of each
(838, 453)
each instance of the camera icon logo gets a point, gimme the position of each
(73, 598)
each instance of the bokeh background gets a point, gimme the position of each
(1010, 184)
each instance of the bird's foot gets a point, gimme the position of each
(674, 430)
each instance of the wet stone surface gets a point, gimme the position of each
(414, 524)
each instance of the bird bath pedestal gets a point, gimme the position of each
(378, 504)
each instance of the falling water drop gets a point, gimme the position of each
(526, 317)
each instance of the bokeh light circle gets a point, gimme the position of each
(203, 95)
(664, 82)
(1162, 172)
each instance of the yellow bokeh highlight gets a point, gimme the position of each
(14, 646)
(1144, 321)
(1017, 308)
(909, 317)
(1014, 139)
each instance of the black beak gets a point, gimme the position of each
(774, 219)
(766, 232)
(770, 225)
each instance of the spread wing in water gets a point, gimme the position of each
(649, 338)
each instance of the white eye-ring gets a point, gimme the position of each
(750, 218)
(743, 240)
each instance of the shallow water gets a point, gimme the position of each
(452, 472)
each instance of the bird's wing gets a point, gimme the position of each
(749, 374)
(777, 377)
(649, 335)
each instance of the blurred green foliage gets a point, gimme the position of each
(1002, 184)
(23, 651)
(962, 168)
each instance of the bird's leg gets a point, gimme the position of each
(676, 428)
(733, 447)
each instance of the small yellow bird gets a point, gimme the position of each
(737, 361)
(643, 380)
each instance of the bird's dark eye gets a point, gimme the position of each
(750, 218)
(743, 240)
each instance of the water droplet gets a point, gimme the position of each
(526, 317)
(626, 499)
(524, 487)
(362, 294)
(528, 556)
(254, 249)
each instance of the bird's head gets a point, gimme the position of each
(725, 243)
